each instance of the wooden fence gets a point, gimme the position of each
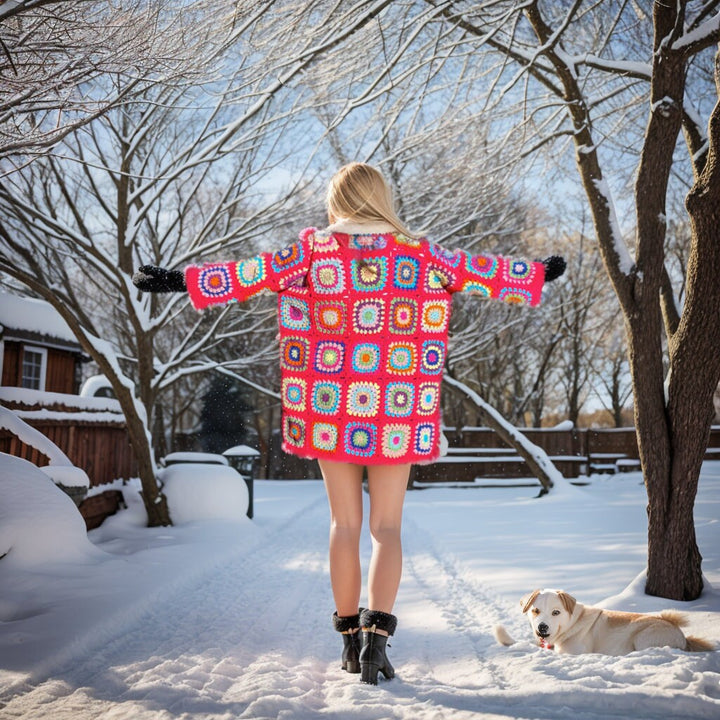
(102, 450)
(476, 453)
(94, 440)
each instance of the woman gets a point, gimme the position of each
(363, 308)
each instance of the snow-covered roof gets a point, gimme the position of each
(34, 316)
(24, 398)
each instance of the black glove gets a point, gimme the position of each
(554, 267)
(150, 278)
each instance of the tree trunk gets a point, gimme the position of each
(674, 568)
(671, 437)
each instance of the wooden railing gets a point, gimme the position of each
(477, 453)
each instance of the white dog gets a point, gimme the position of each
(562, 623)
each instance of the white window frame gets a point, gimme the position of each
(43, 364)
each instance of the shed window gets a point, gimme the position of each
(34, 365)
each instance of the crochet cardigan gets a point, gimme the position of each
(363, 334)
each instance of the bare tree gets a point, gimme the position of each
(168, 175)
(64, 64)
(616, 83)
(586, 61)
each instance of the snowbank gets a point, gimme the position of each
(224, 619)
(39, 523)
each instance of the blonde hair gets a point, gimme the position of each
(359, 192)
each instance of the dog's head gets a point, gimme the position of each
(549, 612)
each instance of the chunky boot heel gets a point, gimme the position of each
(373, 656)
(351, 641)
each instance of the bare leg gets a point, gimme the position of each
(343, 483)
(387, 485)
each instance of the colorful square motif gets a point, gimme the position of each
(401, 359)
(399, 399)
(424, 438)
(369, 274)
(324, 436)
(519, 270)
(428, 398)
(330, 316)
(433, 356)
(435, 316)
(405, 240)
(251, 271)
(324, 243)
(363, 399)
(329, 357)
(365, 242)
(294, 278)
(294, 313)
(294, 394)
(294, 431)
(482, 265)
(366, 358)
(360, 439)
(328, 276)
(368, 316)
(214, 281)
(407, 270)
(287, 258)
(477, 288)
(326, 397)
(437, 279)
(294, 354)
(515, 296)
(447, 257)
(396, 440)
(403, 316)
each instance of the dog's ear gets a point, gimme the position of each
(568, 601)
(527, 601)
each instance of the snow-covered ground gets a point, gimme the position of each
(231, 618)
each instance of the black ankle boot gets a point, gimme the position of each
(351, 641)
(373, 658)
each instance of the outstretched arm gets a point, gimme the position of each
(224, 282)
(512, 280)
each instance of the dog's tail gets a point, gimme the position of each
(696, 644)
(692, 643)
(676, 618)
(502, 635)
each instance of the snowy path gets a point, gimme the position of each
(249, 636)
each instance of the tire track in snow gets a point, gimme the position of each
(468, 609)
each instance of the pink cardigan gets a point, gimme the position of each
(363, 334)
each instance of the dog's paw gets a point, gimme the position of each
(502, 635)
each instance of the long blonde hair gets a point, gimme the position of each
(359, 192)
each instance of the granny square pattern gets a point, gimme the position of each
(364, 325)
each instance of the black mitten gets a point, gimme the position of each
(554, 267)
(151, 278)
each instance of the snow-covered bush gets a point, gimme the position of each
(203, 491)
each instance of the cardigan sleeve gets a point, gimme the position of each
(236, 281)
(511, 280)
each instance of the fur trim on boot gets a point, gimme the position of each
(378, 620)
(345, 624)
